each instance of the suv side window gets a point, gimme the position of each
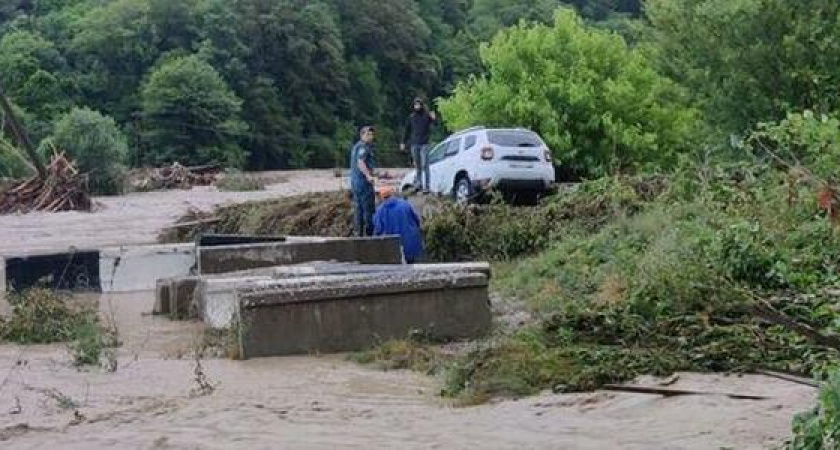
(453, 148)
(437, 153)
(470, 142)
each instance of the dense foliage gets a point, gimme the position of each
(305, 73)
(600, 105)
(750, 61)
(96, 144)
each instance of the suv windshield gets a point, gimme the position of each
(514, 138)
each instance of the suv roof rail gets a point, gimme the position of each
(468, 130)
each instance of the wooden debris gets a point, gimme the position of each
(63, 189)
(175, 176)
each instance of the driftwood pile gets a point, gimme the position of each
(63, 189)
(175, 176)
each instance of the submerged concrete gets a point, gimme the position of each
(379, 250)
(216, 294)
(336, 314)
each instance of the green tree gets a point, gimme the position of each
(191, 116)
(97, 145)
(600, 105)
(30, 68)
(750, 61)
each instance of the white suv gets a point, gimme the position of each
(469, 162)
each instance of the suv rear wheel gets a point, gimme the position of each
(463, 190)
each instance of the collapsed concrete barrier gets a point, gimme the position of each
(215, 298)
(231, 258)
(354, 312)
(74, 270)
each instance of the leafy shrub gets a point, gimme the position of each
(802, 140)
(96, 144)
(820, 429)
(40, 316)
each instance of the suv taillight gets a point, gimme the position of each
(548, 156)
(487, 153)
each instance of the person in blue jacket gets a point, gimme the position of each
(396, 217)
(362, 178)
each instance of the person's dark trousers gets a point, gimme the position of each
(364, 206)
(420, 154)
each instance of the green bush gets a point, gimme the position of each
(803, 141)
(820, 429)
(96, 144)
(40, 316)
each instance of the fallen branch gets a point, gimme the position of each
(764, 310)
(789, 377)
(667, 392)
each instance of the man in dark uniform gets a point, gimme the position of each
(417, 131)
(362, 178)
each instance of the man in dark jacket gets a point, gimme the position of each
(396, 217)
(416, 136)
(362, 165)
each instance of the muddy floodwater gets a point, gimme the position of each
(152, 400)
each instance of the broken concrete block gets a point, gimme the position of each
(338, 268)
(182, 298)
(215, 297)
(335, 314)
(162, 298)
(378, 250)
(73, 270)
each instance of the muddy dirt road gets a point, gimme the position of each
(152, 401)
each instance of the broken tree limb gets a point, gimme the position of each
(668, 392)
(789, 377)
(764, 310)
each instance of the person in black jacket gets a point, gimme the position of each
(416, 136)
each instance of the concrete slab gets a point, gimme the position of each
(163, 300)
(137, 268)
(216, 294)
(74, 270)
(379, 250)
(357, 312)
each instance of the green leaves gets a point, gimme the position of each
(599, 104)
(96, 144)
(191, 115)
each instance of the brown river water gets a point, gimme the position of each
(152, 401)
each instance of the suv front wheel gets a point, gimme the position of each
(463, 191)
